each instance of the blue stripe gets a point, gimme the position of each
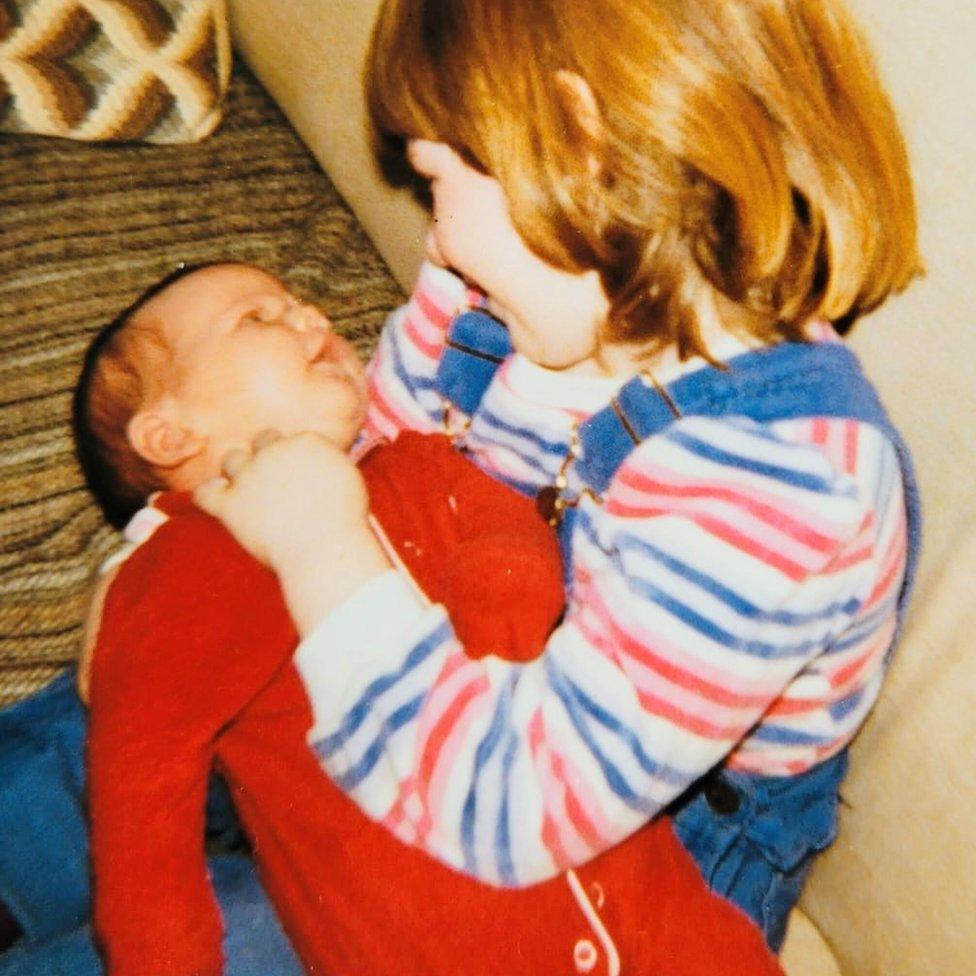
(658, 770)
(529, 488)
(411, 381)
(353, 776)
(865, 627)
(790, 476)
(566, 693)
(707, 628)
(356, 715)
(709, 584)
(543, 446)
(781, 735)
(503, 842)
(483, 754)
(839, 710)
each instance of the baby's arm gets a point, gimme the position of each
(471, 543)
(170, 669)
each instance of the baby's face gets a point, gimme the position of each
(247, 355)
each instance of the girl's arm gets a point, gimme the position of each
(401, 374)
(723, 560)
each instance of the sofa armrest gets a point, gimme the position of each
(309, 57)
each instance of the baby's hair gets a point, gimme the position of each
(744, 149)
(117, 377)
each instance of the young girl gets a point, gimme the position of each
(663, 204)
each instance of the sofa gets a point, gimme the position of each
(896, 894)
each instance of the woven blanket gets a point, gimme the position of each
(83, 230)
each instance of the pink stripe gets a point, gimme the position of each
(711, 683)
(442, 694)
(656, 704)
(551, 832)
(844, 678)
(847, 559)
(698, 704)
(818, 431)
(437, 313)
(851, 442)
(690, 723)
(396, 820)
(740, 483)
(382, 416)
(432, 349)
(575, 808)
(774, 516)
(893, 573)
(568, 821)
(727, 533)
(785, 707)
(441, 749)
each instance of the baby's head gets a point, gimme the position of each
(197, 367)
(738, 155)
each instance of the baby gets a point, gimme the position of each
(191, 669)
(212, 356)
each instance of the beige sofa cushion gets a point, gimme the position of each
(894, 896)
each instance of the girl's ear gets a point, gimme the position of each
(581, 104)
(158, 438)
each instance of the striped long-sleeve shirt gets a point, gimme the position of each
(733, 594)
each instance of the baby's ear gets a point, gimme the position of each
(157, 437)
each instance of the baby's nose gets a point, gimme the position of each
(307, 318)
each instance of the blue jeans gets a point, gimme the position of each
(44, 869)
(755, 838)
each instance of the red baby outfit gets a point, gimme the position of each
(193, 669)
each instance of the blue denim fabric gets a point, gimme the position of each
(472, 355)
(44, 868)
(754, 837)
(254, 944)
(43, 833)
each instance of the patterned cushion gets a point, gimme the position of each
(149, 70)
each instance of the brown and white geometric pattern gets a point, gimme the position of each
(148, 70)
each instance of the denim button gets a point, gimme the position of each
(722, 796)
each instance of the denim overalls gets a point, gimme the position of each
(753, 837)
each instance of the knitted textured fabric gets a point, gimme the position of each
(98, 70)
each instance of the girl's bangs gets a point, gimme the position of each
(415, 88)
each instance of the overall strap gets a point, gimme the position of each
(775, 383)
(782, 382)
(477, 345)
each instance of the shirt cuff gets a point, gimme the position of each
(368, 634)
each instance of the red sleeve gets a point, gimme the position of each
(473, 544)
(192, 629)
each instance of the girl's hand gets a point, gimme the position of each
(300, 506)
(277, 496)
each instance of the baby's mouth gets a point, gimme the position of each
(331, 359)
(327, 355)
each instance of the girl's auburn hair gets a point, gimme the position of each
(742, 147)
